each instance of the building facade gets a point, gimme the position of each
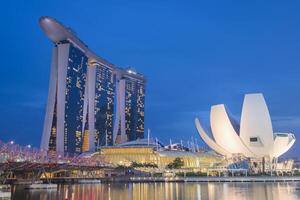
(126, 155)
(90, 101)
(252, 138)
(129, 124)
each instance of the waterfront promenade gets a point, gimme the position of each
(218, 179)
(135, 179)
(20, 164)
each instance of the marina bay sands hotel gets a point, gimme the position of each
(91, 102)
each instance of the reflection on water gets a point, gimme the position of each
(165, 191)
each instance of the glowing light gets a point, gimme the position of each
(131, 72)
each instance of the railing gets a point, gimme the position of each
(11, 152)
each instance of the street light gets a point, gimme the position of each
(11, 142)
(28, 146)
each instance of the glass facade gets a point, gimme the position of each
(104, 105)
(140, 126)
(82, 96)
(134, 108)
(126, 155)
(75, 128)
(85, 143)
(52, 140)
(74, 100)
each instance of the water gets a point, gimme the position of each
(165, 191)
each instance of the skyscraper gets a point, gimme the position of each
(91, 102)
(130, 106)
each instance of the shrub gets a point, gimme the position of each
(176, 164)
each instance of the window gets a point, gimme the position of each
(253, 139)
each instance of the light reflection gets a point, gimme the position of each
(165, 191)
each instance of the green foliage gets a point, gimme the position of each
(297, 173)
(146, 165)
(190, 174)
(176, 164)
(157, 175)
(180, 174)
(122, 167)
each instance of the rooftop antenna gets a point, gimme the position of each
(148, 136)
(193, 144)
(181, 143)
(197, 147)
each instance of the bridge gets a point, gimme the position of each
(25, 163)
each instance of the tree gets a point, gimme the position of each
(147, 165)
(177, 163)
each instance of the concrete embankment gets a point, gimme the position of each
(179, 179)
(218, 179)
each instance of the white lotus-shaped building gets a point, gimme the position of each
(253, 137)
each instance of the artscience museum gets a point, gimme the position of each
(251, 137)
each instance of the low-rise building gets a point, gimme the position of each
(144, 152)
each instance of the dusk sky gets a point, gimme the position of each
(194, 55)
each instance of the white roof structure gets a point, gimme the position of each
(253, 137)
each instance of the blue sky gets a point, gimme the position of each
(194, 54)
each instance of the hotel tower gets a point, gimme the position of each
(91, 102)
